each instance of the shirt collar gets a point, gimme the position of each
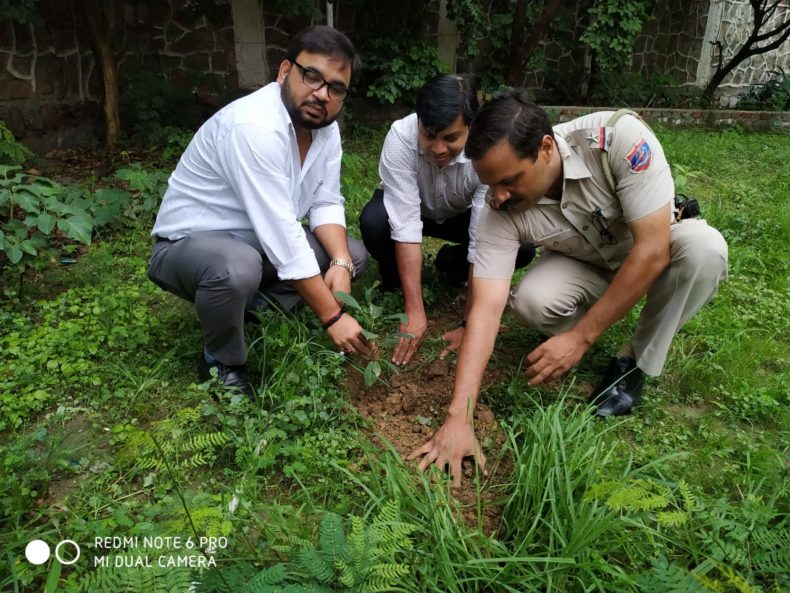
(573, 166)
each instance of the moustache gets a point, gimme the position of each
(508, 204)
(316, 104)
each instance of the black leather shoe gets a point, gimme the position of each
(232, 377)
(620, 389)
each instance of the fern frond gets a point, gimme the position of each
(331, 539)
(264, 581)
(314, 564)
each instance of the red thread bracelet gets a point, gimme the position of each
(332, 320)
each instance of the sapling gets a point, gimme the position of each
(372, 318)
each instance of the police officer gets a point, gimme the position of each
(597, 195)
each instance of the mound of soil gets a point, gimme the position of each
(412, 407)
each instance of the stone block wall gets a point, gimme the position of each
(778, 121)
(50, 86)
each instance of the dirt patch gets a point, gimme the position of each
(81, 442)
(413, 407)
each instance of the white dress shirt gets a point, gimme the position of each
(415, 187)
(242, 173)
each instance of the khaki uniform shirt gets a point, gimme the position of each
(573, 225)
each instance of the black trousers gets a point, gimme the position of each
(374, 225)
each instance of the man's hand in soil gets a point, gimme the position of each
(346, 334)
(554, 357)
(449, 445)
(417, 325)
(454, 337)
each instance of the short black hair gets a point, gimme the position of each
(444, 98)
(512, 117)
(324, 40)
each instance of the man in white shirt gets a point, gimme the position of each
(229, 227)
(428, 188)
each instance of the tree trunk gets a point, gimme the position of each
(516, 41)
(102, 19)
(520, 51)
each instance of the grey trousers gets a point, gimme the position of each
(223, 276)
(558, 290)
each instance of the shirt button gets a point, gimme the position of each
(565, 205)
(556, 243)
(585, 227)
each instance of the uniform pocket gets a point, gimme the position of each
(567, 241)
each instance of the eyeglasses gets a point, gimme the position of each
(312, 79)
(600, 224)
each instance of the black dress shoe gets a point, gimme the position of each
(620, 389)
(232, 377)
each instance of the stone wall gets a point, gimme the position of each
(50, 87)
(734, 29)
(778, 121)
(682, 39)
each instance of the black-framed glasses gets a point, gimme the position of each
(602, 226)
(312, 79)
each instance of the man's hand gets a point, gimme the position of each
(416, 325)
(347, 336)
(555, 356)
(338, 278)
(454, 337)
(449, 445)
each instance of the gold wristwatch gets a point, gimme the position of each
(345, 263)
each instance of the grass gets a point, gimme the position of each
(689, 494)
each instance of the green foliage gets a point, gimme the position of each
(772, 95)
(399, 67)
(367, 558)
(27, 464)
(146, 188)
(169, 142)
(20, 11)
(11, 151)
(372, 318)
(614, 26)
(184, 443)
(59, 351)
(149, 101)
(155, 579)
(33, 208)
(486, 28)
(617, 88)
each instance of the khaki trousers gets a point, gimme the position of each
(558, 290)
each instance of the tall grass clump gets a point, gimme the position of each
(554, 535)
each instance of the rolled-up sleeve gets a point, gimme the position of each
(398, 172)
(256, 164)
(327, 207)
(478, 203)
(498, 243)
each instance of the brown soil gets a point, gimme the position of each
(414, 406)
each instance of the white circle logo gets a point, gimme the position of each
(37, 552)
(57, 552)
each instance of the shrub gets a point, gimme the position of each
(400, 68)
(771, 95)
(11, 151)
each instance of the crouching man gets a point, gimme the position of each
(596, 194)
(229, 232)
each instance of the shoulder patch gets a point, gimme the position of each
(640, 156)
